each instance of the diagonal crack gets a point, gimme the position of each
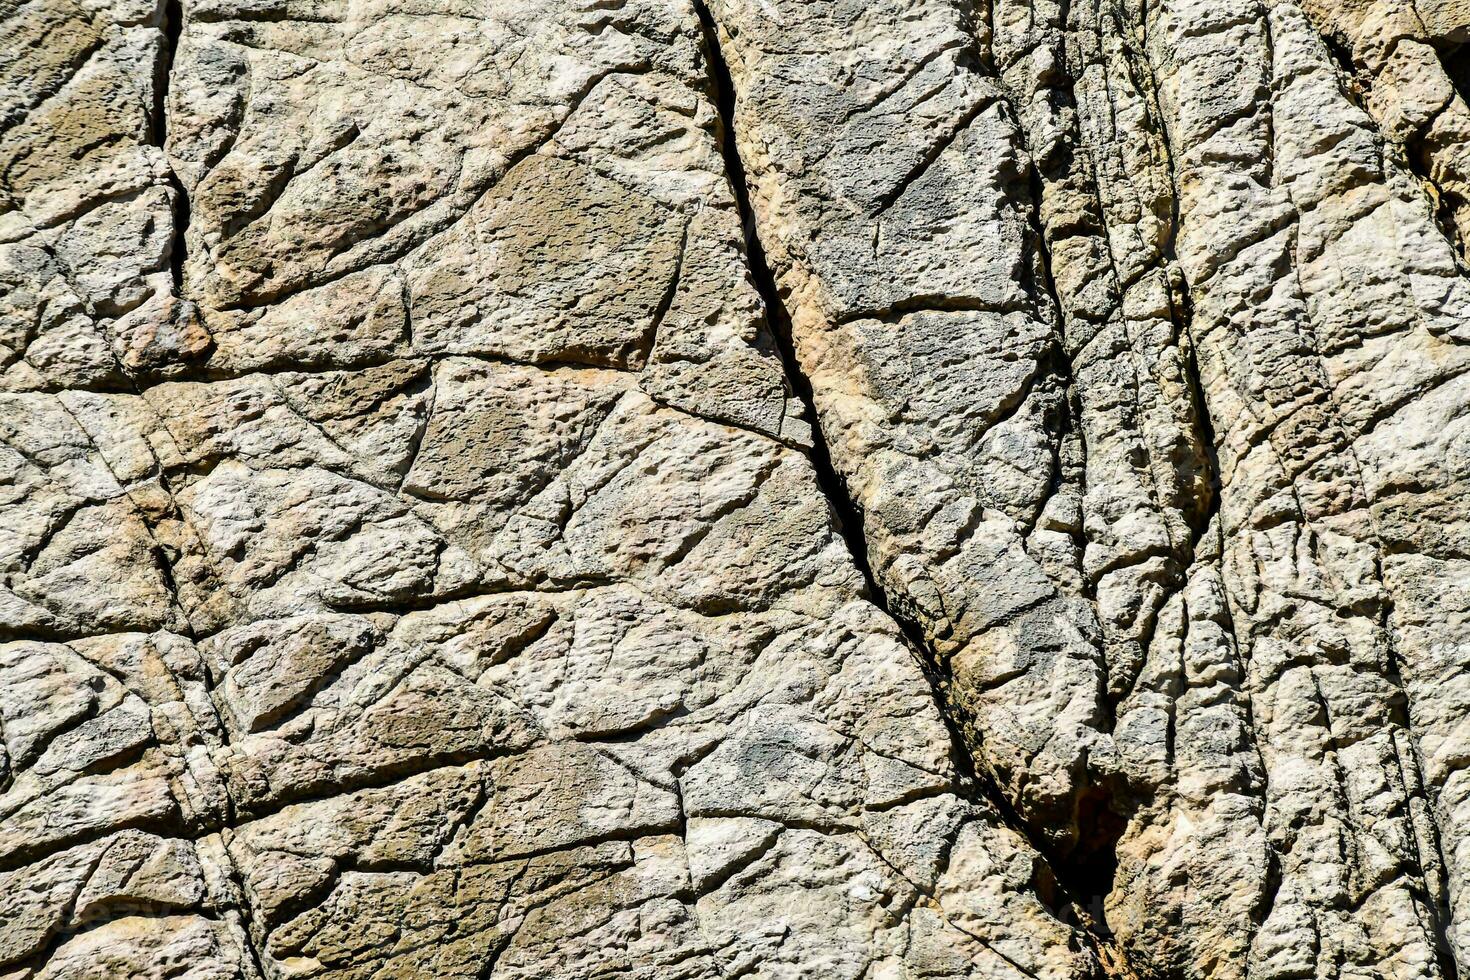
(975, 785)
(849, 515)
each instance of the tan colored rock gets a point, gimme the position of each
(719, 488)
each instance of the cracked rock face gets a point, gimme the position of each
(682, 489)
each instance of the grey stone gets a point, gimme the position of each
(717, 488)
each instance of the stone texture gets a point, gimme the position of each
(724, 488)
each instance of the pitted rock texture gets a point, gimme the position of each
(897, 490)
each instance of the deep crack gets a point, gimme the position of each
(849, 516)
(1082, 882)
(173, 29)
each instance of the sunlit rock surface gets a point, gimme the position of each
(898, 490)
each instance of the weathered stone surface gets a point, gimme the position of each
(721, 488)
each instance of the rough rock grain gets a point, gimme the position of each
(735, 488)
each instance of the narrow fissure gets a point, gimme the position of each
(1080, 884)
(1340, 53)
(1443, 203)
(1087, 872)
(1183, 315)
(1456, 63)
(173, 28)
(834, 488)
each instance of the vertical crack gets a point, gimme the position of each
(172, 27)
(1087, 872)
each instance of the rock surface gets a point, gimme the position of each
(735, 488)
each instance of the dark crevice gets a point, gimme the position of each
(1087, 871)
(1181, 309)
(173, 28)
(1456, 62)
(924, 303)
(1181, 315)
(1080, 881)
(849, 516)
(1359, 82)
(1065, 414)
(1182, 312)
(1443, 203)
